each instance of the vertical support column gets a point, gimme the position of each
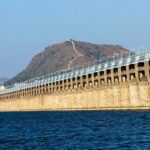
(92, 79)
(20, 93)
(98, 77)
(105, 77)
(62, 85)
(15, 94)
(26, 92)
(59, 86)
(54, 86)
(76, 83)
(136, 72)
(112, 76)
(128, 73)
(87, 81)
(48, 88)
(41, 89)
(31, 91)
(81, 82)
(119, 75)
(36, 90)
(67, 84)
(146, 69)
(71, 84)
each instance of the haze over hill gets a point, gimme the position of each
(67, 55)
(3, 79)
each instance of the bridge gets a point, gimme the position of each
(134, 69)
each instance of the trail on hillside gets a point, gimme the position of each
(76, 51)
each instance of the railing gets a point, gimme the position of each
(68, 74)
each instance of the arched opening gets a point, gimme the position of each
(108, 72)
(141, 64)
(124, 78)
(123, 68)
(109, 80)
(115, 70)
(131, 67)
(132, 76)
(116, 79)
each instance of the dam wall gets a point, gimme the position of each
(124, 96)
(121, 84)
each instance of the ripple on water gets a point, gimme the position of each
(75, 130)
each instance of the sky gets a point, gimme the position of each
(28, 26)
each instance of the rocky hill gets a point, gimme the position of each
(67, 55)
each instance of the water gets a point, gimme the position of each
(75, 130)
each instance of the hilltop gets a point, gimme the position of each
(66, 55)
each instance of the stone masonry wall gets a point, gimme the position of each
(120, 96)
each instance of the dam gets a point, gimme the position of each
(117, 84)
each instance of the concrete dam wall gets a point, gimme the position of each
(123, 84)
(125, 96)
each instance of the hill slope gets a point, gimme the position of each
(65, 56)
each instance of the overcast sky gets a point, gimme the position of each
(28, 26)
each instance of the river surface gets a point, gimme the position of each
(125, 130)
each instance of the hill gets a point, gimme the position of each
(67, 55)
